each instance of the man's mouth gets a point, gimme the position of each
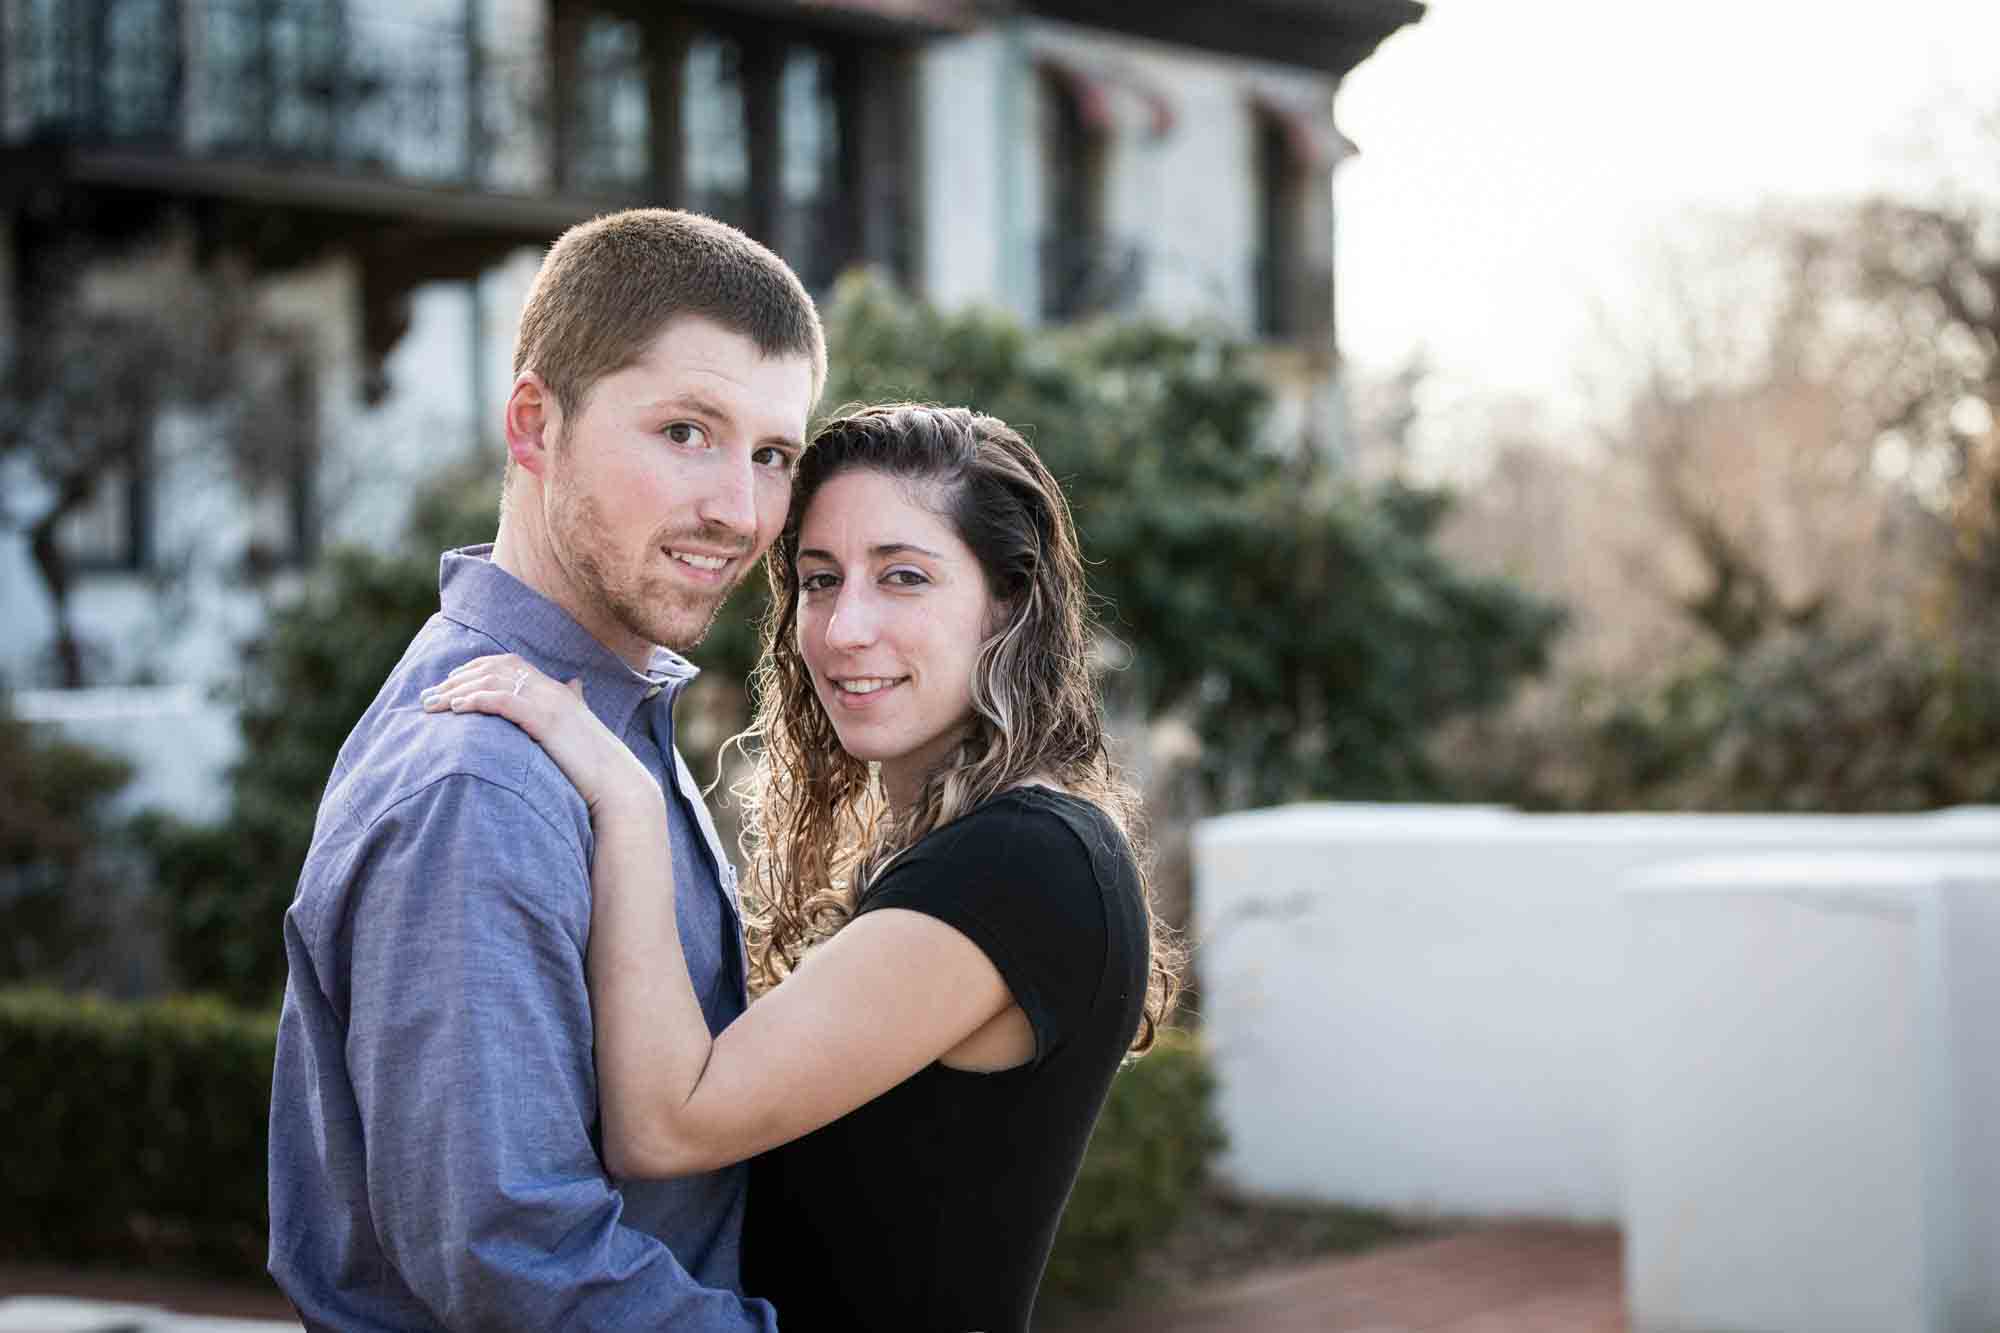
(708, 564)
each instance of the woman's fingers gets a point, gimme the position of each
(489, 661)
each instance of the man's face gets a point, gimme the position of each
(663, 492)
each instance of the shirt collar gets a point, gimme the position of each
(480, 595)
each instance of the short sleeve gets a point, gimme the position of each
(1016, 880)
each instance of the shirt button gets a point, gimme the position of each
(655, 690)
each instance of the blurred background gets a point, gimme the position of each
(1544, 406)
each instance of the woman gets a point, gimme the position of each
(942, 879)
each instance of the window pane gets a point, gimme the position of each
(716, 153)
(614, 121)
(230, 89)
(139, 46)
(809, 167)
(103, 533)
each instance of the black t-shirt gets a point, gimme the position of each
(933, 1207)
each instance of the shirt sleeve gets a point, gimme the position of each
(469, 1046)
(1018, 882)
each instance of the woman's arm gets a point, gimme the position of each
(891, 992)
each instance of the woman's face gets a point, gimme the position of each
(892, 609)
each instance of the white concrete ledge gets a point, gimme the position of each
(179, 740)
(1811, 1095)
(62, 1314)
(1422, 1008)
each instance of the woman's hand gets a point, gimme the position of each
(600, 765)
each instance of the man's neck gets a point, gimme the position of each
(522, 549)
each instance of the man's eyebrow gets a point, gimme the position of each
(885, 549)
(691, 400)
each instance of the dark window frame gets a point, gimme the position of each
(865, 212)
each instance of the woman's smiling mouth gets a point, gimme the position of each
(856, 689)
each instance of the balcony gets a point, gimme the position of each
(1294, 301)
(307, 104)
(1083, 276)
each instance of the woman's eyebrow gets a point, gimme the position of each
(885, 549)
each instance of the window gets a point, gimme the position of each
(1292, 280)
(1084, 271)
(810, 221)
(613, 132)
(104, 70)
(797, 134)
(140, 97)
(113, 529)
(715, 130)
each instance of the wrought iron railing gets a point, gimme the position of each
(1294, 300)
(286, 81)
(1089, 275)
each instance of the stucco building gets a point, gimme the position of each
(381, 177)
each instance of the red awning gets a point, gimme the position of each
(1098, 92)
(1311, 141)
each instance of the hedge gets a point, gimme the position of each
(139, 1131)
(134, 1130)
(1147, 1158)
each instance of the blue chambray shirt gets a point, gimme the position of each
(434, 1114)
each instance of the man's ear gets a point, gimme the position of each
(533, 422)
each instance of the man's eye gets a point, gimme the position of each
(773, 457)
(686, 432)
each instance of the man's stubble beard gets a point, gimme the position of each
(651, 608)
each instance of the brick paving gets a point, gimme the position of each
(1500, 1279)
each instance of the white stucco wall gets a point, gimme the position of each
(1811, 1093)
(1422, 1008)
(968, 172)
(1188, 194)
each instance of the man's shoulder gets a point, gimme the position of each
(398, 753)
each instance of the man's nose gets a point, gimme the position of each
(730, 500)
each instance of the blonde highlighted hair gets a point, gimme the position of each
(816, 827)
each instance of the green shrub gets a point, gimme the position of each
(1147, 1159)
(135, 1130)
(55, 817)
(318, 665)
(141, 1130)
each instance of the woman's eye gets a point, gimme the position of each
(772, 456)
(905, 578)
(686, 432)
(815, 582)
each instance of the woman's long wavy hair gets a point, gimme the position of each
(816, 828)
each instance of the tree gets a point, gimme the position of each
(1308, 629)
(1801, 474)
(83, 390)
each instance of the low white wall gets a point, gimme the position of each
(1421, 1008)
(180, 742)
(1811, 1095)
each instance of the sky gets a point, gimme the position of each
(1518, 157)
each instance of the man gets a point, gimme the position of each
(434, 1112)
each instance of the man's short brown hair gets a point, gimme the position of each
(608, 286)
